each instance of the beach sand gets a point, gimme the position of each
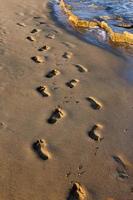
(65, 112)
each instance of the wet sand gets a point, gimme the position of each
(65, 112)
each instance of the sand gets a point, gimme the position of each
(90, 142)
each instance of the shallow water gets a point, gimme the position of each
(114, 12)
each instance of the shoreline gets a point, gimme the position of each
(66, 131)
(114, 37)
(120, 49)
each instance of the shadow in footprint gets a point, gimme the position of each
(53, 73)
(44, 48)
(77, 192)
(35, 30)
(121, 168)
(72, 83)
(40, 148)
(37, 59)
(94, 103)
(43, 91)
(31, 38)
(56, 115)
(67, 55)
(94, 133)
(81, 68)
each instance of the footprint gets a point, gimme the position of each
(69, 44)
(81, 68)
(44, 48)
(95, 132)
(94, 103)
(37, 17)
(121, 168)
(3, 125)
(42, 22)
(38, 59)
(68, 55)
(52, 73)
(35, 30)
(77, 192)
(21, 24)
(40, 147)
(31, 38)
(51, 36)
(57, 114)
(72, 83)
(43, 91)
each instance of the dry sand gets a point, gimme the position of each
(87, 128)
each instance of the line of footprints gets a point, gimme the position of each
(58, 113)
(77, 192)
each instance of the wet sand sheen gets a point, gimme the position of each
(66, 114)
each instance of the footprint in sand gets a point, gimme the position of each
(40, 147)
(38, 59)
(81, 68)
(57, 114)
(94, 103)
(43, 90)
(69, 44)
(52, 73)
(95, 132)
(35, 30)
(51, 36)
(42, 22)
(77, 192)
(3, 125)
(21, 24)
(72, 83)
(37, 17)
(68, 55)
(44, 48)
(31, 38)
(121, 168)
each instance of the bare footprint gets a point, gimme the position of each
(3, 125)
(77, 192)
(31, 38)
(95, 132)
(35, 30)
(94, 103)
(38, 59)
(121, 168)
(43, 91)
(57, 114)
(69, 44)
(51, 36)
(21, 24)
(52, 73)
(44, 48)
(72, 83)
(81, 68)
(40, 147)
(68, 55)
